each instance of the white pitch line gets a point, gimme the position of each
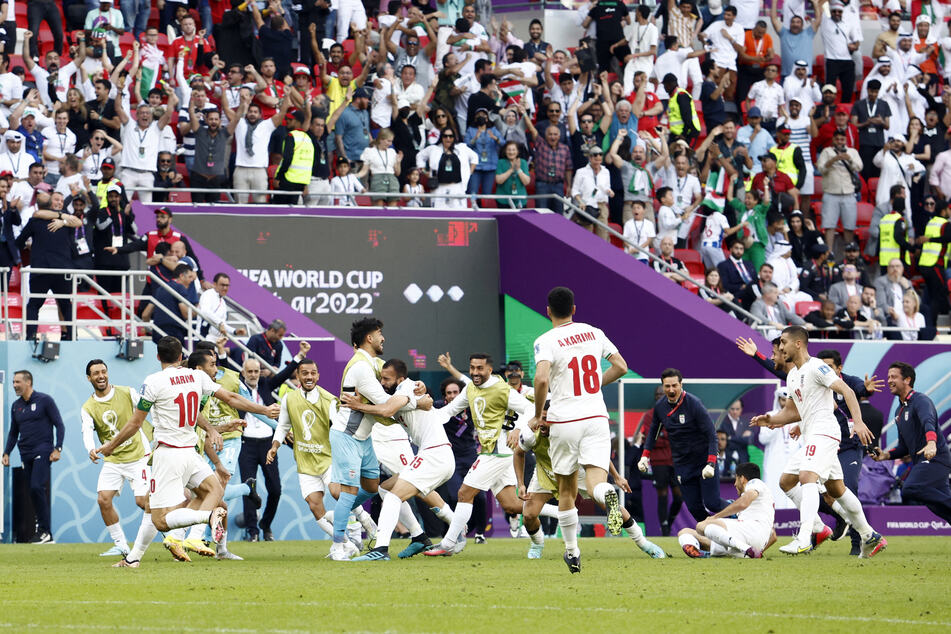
(467, 606)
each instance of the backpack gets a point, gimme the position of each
(450, 169)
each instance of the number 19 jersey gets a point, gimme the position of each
(575, 351)
(174, 396)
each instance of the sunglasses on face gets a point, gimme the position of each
(554, 112)
(587, 121)
(412, 44)
(449, 136)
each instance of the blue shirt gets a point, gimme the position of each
(793, 47)
(486, 147)
(353, 127)
(693, 438)
(916, 419)
(31, 426)
(757, 146)
(33, 143)
(166, 299)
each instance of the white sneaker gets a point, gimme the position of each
(522, 532)
(352, 550)
(459, 545)
(227, 554)
(795, 548)
(355, 535)
(340, 552)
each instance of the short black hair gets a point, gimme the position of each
(730, 9)
(198, 357)
(399, 366)
(181, 270)
(206, 345)
(671, 372)
(363, 327)
(669, 41)
(749, 470)
(26, 374)
(306, 361)
(906, 369)
(447, 382)
(169, 350)
(644, 11)
(561, 300)
(93, 362)
(776, 341)
(534, 22)
(220, 276)
(661, 192)
(484, 356)
(486, 79)
(797, 332)
(874, 85)
(481, 64)
(829, 353)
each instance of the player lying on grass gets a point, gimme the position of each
(748, 535)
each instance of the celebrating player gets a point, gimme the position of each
(921, 438)
(432, 466)
(746, 536)
(543, 487)
(308, 411)
(568, 358)
(693, 445)
(103, 414)
(488, 398)
(811, 384)
(175, 394)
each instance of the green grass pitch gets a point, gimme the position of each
(290, 587)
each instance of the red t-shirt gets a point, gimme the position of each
(824, 137)
(648, 123)
(191, 57)
(275, 89)
(780, 183)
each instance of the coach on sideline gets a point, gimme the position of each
(32, 419)
(693, 446)
(919, 437)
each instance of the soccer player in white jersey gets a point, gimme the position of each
(430, 468)
(810, 383)
(174, 397)
(106, 411)
(568, 372)
(746, 536)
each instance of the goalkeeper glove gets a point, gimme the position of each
(644, 464)
(708, 471)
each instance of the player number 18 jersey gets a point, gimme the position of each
(575, 351)
(174, 396)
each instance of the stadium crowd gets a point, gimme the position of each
(803, 189)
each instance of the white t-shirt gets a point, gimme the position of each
(672, 62)
(761, 510)
(836, 37)
(58, 145)
(768, 97)
(714, 229)
(140, 148)
(381, 110)
(724, 55)
(362, 377)
(174, 396)
(747, 13)
(641, 38)
(575, 351)
(342, 189)
(424, 427)
(259, 140)
(685, 188)
(668, 222)
(637, 231)
(380, 162)
(64, 183)
(809, 388)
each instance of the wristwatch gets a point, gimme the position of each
(59, 449)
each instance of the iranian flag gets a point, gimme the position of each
(151, 62)
(717, 190)
(513, 90)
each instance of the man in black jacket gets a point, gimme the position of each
(256, 441)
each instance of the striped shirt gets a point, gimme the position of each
(551, 165)
(681, 26)
(799, 133)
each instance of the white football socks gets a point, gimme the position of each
(444, 513)
(634, 530)
(568, 521)
(365, 520)
(389, 515)
(117, 535)
(326, 523)
(538, 537)
(688, 540)
(600, 490)
(143, 538)
(721, 536)
(852, 510)
(460, 518)
(548, 510)
(197, 531)
(795, 494)
(808, 511)
(181, 518)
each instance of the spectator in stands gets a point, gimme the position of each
(591, 189)
(909, 318)
(483, 141)
(114, 226)
(681, 111)
(711, 281)
(751, 214)
(58, 88)
(584, 134)
(166, 177)
(23, 119)
(755, 290)
(839, 122)
(553, 167)
(38, 11)
(870, 309)
(854, 323)
(108, 21)
(512, 176)
(140, 139)
(824, 319)
(726, 37)
(639, 231)
(674, 269)
(352, 128)
(850, 285)
(9, 218)
(319, 188)
(871, 117)
(853, 257)
(735, 272)
(251, 133)
(739, 433)
(840, 38)
(212, 305)
(276, 38)
(800, 85)
(15, 159)
(773, 182)
(891, 288)
(769, 310)
(933, 261)
(609, 18)
(381, 161)
(175, 310)
(897, 168)
(752, 135)
(297, 156)
(896, 198)
(839, 164)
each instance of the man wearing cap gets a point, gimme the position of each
(14, 158)
(303, 85)
(251, 133)
(795, 37)
(352, 130)
(789, 159)
(871, 117)
(853, 257)
(773, 182)
(840, 39)
(23, 119)
(769, 97)
(297, 157)
(837, 164)
(839, 121)
(140, 144)
(108, 20)
(800, 86)
(825, 109)
(727, 38)
(591, 190)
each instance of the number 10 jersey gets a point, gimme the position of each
(174, 396)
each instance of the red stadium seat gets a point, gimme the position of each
(817, 212)
(616, 241)
(872, 189)
(691, 260)
(804, 308)
(865, 212)
(817, 184)
(819, 68)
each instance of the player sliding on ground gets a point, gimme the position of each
(568, 358)
(543, 488)
(811, 384)
(174, 396)
(746, 536)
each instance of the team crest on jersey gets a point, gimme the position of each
(906, 416)
(824, 369)
(32, 407)
(353, 473)
(682, 419)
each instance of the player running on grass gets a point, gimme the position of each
(811, 384)
(568, 359)
(746, 536)
(543, 487)
(174, 396)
